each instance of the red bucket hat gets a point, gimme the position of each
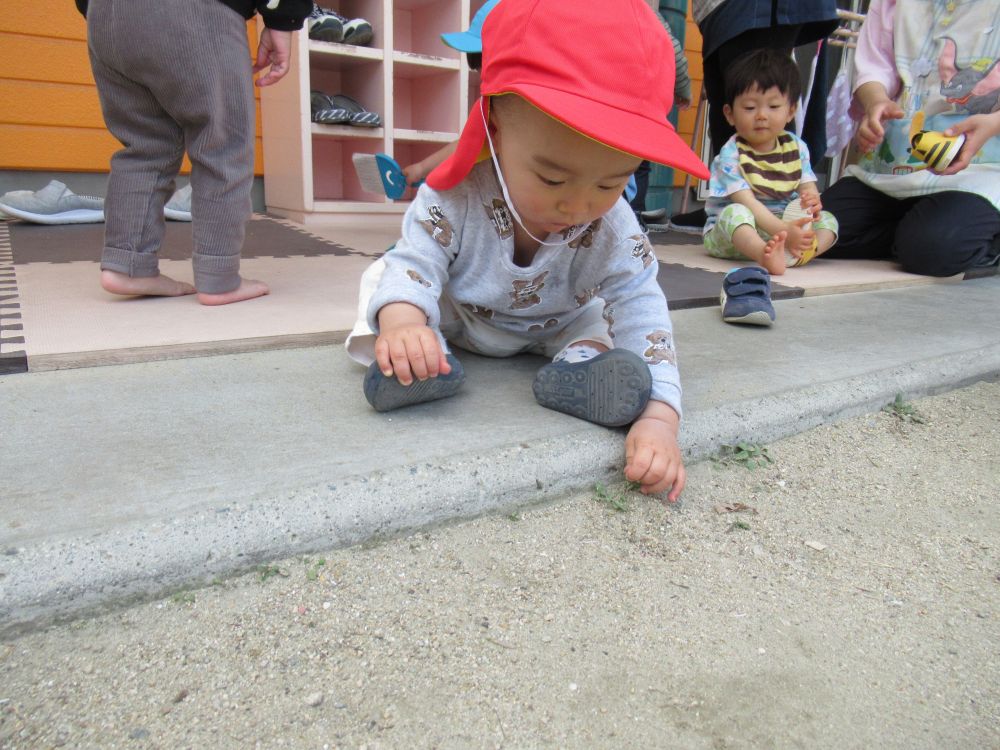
(603, 69)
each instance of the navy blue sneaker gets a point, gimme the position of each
(387, 393)
(611, 389)
(746, 297)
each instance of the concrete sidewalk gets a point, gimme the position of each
(119, 483)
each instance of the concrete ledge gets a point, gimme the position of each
(60, 579)
(123, 483)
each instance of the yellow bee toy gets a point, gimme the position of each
(935, 149)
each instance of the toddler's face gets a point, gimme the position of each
(760, 116)
(557, 177)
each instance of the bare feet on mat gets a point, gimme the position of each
(154, 286)
(248, 289)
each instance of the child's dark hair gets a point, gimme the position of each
(764, 69)
(475, 60)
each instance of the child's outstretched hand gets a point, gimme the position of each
(406, 346)
(871, 131)
(652, 455)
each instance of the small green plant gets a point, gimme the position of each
(312, 572)
(739, 526)
(183, 597)
(266, 572)
(618, 500)
(748, 455)
(903, 410)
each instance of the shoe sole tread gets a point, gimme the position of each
(611, 390)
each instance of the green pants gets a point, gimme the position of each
(719, 239)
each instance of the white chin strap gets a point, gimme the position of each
(568, 234)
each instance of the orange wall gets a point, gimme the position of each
(685, 120)
(51, 118)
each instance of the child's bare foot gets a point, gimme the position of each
(774, 254)
(141, 286)
(248, 289)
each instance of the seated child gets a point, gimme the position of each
(762, 169)
(534, 250)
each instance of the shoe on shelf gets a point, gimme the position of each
(693, 222)
(358, 116)
(325, 26)
(746, 297)
(178, 208)
(323, 110)
(53, 204)
(358, 31)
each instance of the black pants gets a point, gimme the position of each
(641, 186)
(935, 235)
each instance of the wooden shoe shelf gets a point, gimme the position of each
(421, 88)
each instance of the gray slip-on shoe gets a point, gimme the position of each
(178, 208)
(387, 393)
(611, 389)
(53, 204)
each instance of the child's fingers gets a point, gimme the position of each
(811, 202)
(417, 359)
(677, 485)
(648, 468)
(432, 353)
(400, 361)
(893, 112)
(637, 461)
(382, 356)
(261, 62)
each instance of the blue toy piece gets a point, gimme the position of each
(392, 176)
(631, 189)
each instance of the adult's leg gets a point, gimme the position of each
(867, 218)
(947, 233)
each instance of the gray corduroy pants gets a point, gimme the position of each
(175, 75)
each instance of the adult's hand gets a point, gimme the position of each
(977, 129)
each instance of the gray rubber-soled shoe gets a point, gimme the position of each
(53, 204)
(611, 389)
(178, 208)
(387, 393)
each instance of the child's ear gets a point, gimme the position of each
(728, 112)
(792, 109)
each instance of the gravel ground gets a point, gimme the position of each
(844, 596)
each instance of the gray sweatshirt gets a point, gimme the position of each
(461, 242)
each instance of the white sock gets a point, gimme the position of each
(576, 353)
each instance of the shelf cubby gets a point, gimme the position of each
(419, 86)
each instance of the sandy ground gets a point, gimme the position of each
(852, 604)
